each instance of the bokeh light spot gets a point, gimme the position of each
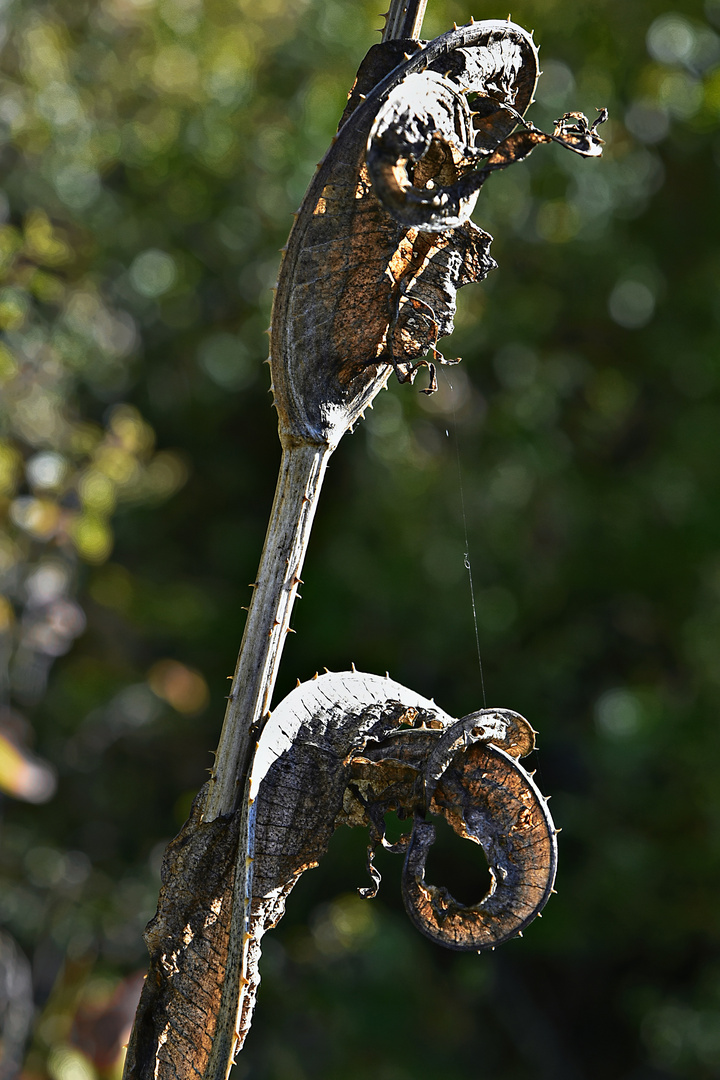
(617, 713)
(46, 471)
(92, 537)
(182, 687)
(671, 39)
(631, 304)
(153, 273)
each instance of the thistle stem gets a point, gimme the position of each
(302, 471)
(404, 19)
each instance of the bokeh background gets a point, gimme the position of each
(153, 152)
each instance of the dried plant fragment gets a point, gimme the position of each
(187, 940)
(342, 749)
(359, 293)
(382, 240)
(500, 808)
(430, 151)
(347, 748)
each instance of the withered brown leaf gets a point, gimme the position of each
(361, 293)
(347, 748)
(382, 240)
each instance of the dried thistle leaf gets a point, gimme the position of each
(348, 747)
(359, 293)
(427, 111)
(487, 797)
(382, 240)
(341, 749)
(433, 107)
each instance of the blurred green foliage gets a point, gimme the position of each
(152, 154)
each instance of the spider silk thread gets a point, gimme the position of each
(466, 554)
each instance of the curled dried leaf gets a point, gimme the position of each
(503, 728)
(361, 294)
(428, 119)
(432, 110)
(349, 747)
(489, 798)
(344, 748)
(382, 240)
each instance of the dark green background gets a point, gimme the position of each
(586, 419)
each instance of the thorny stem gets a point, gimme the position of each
(298, 489)
(404, 19)
(302, 470)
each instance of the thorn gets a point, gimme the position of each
(539, 914)
(352, 666)
(472, 19)
(242, 608)
(455, 26)
(227, 677)
(363, 97)
(289, 630)
(553, 892)
(283, 249)
(558, 830)
(315, 676)
(407, 55)
(253, 585)
(387, 674)
(519, 933)
(297, 683)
